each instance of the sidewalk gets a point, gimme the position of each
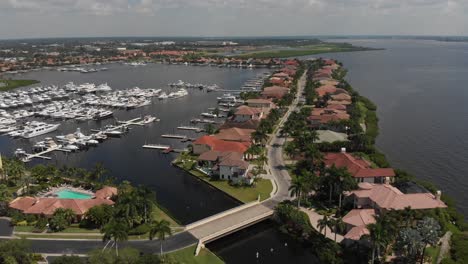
(314, 217)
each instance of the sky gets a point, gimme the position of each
(95, 18)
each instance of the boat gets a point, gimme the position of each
(227, 98)
(163, 96)
(103, 115)
(209, 115)
(149, 119)
(39, 130)
(71, 147)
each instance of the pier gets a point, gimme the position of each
(192, 128)
(174, 136)
(156, 146)
(40, 155)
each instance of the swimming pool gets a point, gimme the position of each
(68, 194)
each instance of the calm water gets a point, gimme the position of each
(421, 90)
(184, 196)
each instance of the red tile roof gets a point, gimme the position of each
(106, 192)
(360, 217)
(246, 110)
(388, 197)
(357, 232)
(275, 92)
(222, 145)
(47, 206)
(235, 134)
(358, 167)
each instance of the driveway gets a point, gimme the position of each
(5, 228)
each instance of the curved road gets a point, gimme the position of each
(184, 239)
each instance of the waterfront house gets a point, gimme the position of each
(246, 113)
(321, 117)
(227, 165)
(385, 197)
(249, 124)
(274, 92)
(356, 222)
(260, 103)
(207, 143)
(359, 168)
(235, 134)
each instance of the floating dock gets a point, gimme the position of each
(156, 146)
(192, 128)
(176, 136)
(41, 154)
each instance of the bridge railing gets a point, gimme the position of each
(220, 215)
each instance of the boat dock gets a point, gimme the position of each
(192, 128)
(175, 136)
(40, 155)
(156, 146)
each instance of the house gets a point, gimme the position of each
(356, 222)
(260, 103)
(207, 143)
(46, 206)
(226, 165)
(235, 134)
(250, 124)
(274, 92)
(246, 113)
(320, 117)
(372, 199)
(359, 168)
(385, 197)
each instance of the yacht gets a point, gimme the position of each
(39, 130)
(163, 96)
(103, 115)
(210, 115)
(149, 119)
(229, 98)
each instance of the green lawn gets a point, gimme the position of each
(433, 253)
(244, 194)
(303, 51)
(187, 256)
(159, 214)
(6, 85)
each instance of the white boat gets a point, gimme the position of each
(39, 130)
(149, 119)
(71, 147)
(163, 96)
(209, 115)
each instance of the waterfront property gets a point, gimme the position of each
(375, 199)
(359, 168)
(235, 134)
(79, 202)
(274, 92)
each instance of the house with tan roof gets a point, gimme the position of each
(246, 113)
(226, 165)
(359, 168)
(274, 92)
(321, 117)
(356, 222)
(235, 134)
(261, 103)
(207, 143)
(46, 206)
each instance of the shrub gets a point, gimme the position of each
(22, 223)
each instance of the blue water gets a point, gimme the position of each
(67, 194)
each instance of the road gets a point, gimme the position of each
(276, 163)
(184, 239)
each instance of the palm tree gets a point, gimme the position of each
(338, 225)
(323, 223)
(115, 231)
(160, 229)
(259, 137)
(297, 185)
(408, 216)
(98, 172)
(68, 214)
(209, 129)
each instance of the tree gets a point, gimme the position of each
(296, 188)
(160, 229)
(99, 215)
(338, 225)
(429, 229)
(115, 231)
(323, 223)
(216, 111)
(409, 244)
(209, 129)
(97, 172)
(259, 136)
(15, 251)
(61, 219)
(408, 216)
